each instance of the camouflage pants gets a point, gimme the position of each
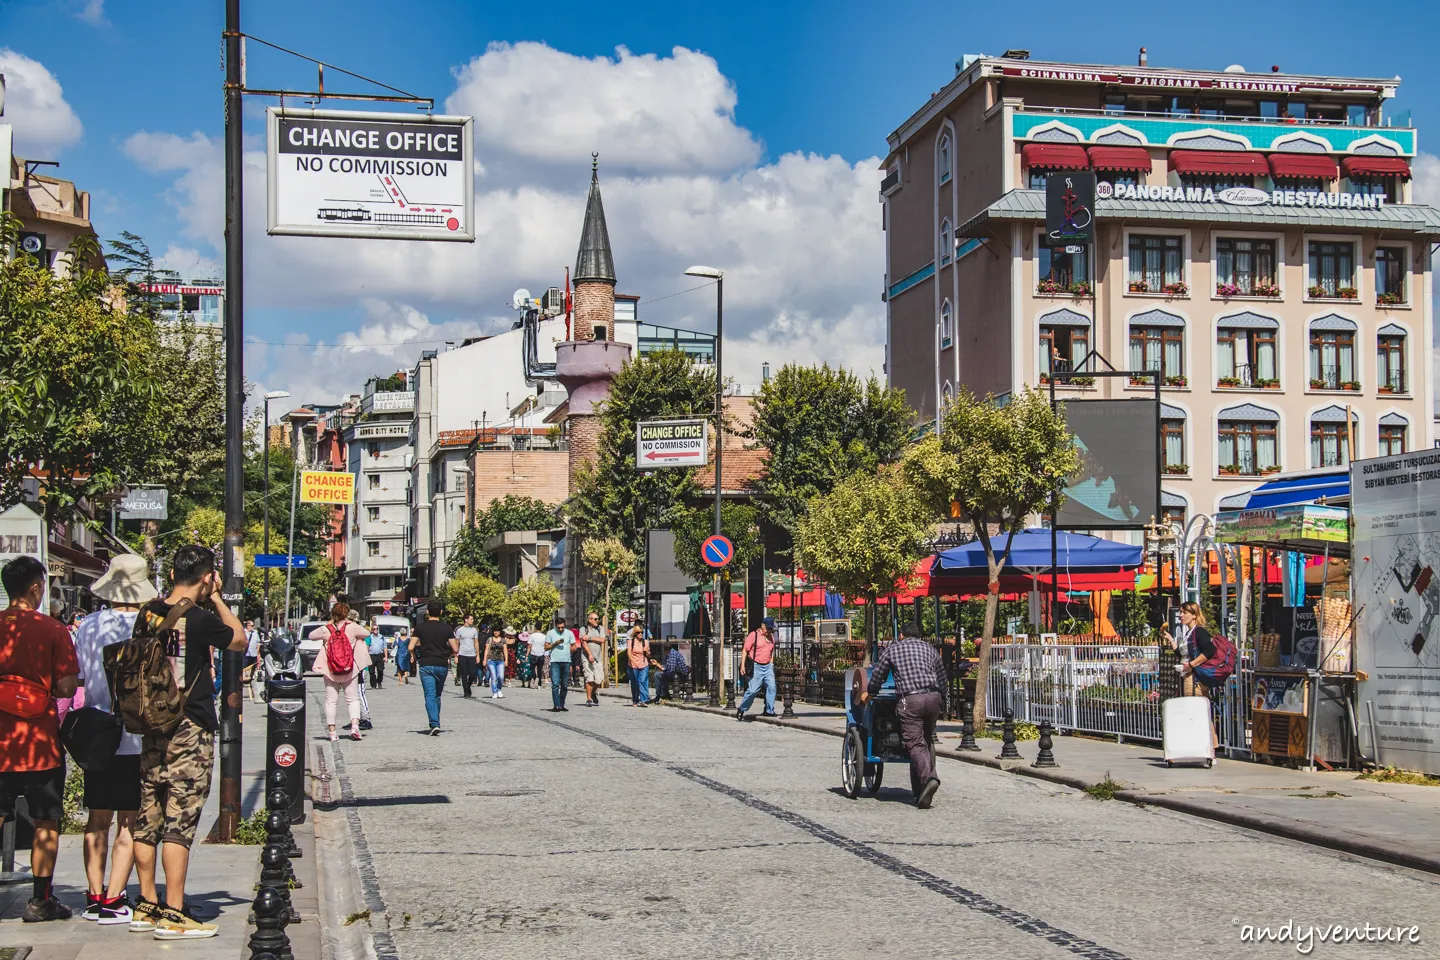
(174, 784)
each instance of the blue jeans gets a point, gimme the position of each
(764, 673)
(433, 680)
(559, 682)
(640, 684)
(496, 671)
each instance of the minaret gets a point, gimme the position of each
(594, 267)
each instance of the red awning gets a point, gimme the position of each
(1220, 162)
(1310, 166)
(1120, 158)
(1054, 156)
(1375, 167)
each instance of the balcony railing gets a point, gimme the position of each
(1392, 383)
(1331, 378)
(1196, 116)
(1245, 375)
(890, 183)
(1246, 465)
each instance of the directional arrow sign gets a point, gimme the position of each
(671, 443)
(297, 560)
(717, 551)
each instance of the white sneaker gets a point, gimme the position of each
(499, 696)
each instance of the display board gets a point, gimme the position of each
(1395, 584)
(1118, 483)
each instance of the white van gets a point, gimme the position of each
(389, 627)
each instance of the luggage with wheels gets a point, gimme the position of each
(1185, 722)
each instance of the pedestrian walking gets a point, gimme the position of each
(919, 678)
(37, 666)
(512, 660)
(1206, 664)
(468, 639)
(637, 648)
(759, 649)
(432, 648)
(344, 656)
(112, 794)
(535, 643)
(402, 656)
(252, 654)
(495, 662)
(559, 643)
(675, 668)
(592, 666)
(376, 670)
(176, 767)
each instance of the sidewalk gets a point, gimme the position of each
(1396, 823)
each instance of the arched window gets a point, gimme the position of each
(1249, 441)
(947, 325)
(1330, 437)
(944, 157)
(947, 242)
(1332, 354)
(1393, 435)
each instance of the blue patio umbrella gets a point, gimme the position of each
(1030, 555)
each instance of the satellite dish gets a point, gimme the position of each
(520, 300)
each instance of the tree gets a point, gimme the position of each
(865, 536)
(77, 403)
(817, 426)
(533, 602)
(507, 513)
(475, 595)
(993, 466)
(613, 563)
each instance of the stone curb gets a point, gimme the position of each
(1329, 837)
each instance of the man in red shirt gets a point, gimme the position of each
(36, 658)
(759, 648)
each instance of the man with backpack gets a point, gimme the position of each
(37, 667)
(162, 691)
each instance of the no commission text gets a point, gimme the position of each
(368, 165)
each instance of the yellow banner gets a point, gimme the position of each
(323, 486)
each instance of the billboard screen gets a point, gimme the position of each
(1118, 483)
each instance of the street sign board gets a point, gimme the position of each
(347, 173)
(385, 607)
(22, 534)
(671, 443)
(1069, 208)
(299, 561)
(716, 551)
(145, 503)
(326, 486)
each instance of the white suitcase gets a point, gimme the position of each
(1185, 723)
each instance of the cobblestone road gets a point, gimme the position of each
(662, 833)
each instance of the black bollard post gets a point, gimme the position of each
(277, 801)
(1007, 749)
(275, 837)
(788, 713)
(1045, 758)
(967, 732)
(269, 938)
(272, 874)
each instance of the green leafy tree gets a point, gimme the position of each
(611, 562)
(865, 536)
(533, 602)
(503, 515)
(817, 426)
(993, 465)
(469, 593)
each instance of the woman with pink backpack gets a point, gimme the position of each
(344, 655)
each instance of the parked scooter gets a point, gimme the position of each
(279, 659)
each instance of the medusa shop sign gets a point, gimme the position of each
(1240, 196)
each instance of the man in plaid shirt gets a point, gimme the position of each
(919, 678)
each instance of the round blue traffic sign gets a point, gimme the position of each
(716, 551)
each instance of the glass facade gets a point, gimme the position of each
(652, 339)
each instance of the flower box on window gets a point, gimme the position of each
(1228, 381)
(1316, 384)
(1351, 385)
(1273, 468)
(1385, 390)
(1141, 381)
(1177, 469)
(1265, 290)
(1081, 381)
(1139, 286)
(1228, 290)
(1176, 381)
(1268, 383)
(1177, 289)
(1232, 469)
(1389, 299)
(1348, 293)
(1052, 286)
(1081, 288)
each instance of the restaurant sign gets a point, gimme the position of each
(1240, 196)
(1240, 82)
(1301, 521)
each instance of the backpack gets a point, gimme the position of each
(142, 682)
(339, 651)
(1222, 665)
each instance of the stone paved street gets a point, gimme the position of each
(663, 833)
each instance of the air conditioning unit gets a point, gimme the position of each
(553, 303)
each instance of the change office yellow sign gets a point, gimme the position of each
(322, 486)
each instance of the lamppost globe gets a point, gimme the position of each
(701, 271)
(277, 395)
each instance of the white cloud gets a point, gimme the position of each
(189, 263)
(35, 105)
(196, 194)
(1425, 187)
(92, 12)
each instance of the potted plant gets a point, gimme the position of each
(1317, 292)
(1081, 288)
(1389, 299)
(1140, 381)
(1139, 286)
(1083, 381)
(1352, 385)
(1347, 293)
(1230, 469)
(1044, 379)
(1177, 289)
(1265, 290)
(1384, 388)
(1048, 285)
(1177, 469)
(1228, 381)
(1176, 381)
(1227, 289)
(1273, 468)
(1317, 384)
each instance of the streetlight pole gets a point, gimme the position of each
(265, 469)
(721, 605)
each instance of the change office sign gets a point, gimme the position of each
(671, 443)
(339, 173)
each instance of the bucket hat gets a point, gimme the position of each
(125, 581)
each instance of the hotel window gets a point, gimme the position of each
(1246, 356)
(1390, 349)
(944, 157)
(1332, 269)
(373, 514)
(1156, 262)
(1332, 356)
(1390, 274)
(1329, 439)
(1388, 187)
(372, 548)
(1245, 268)
(1062, 348)
(947, 242)
(1039, 177)
(1172, 437)
(1128, 178)
(1215, 181)
(1059, 270)
(1247, 447)
(374, 480)
(947, 325)
(1158, 348)
(372, 448)
(1392, 436)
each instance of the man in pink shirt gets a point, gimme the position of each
(760, 649)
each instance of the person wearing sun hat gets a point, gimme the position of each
(112, 794)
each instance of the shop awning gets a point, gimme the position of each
(1375, 167)
(1054, 156)
(1219, 162)
(1120, 158)
(1306, 487)
(1311, 166)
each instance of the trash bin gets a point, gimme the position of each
(285, 740)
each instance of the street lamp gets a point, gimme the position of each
(718, 276)
(265, 500)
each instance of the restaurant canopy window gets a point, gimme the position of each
(1218, 169)
(1303, 170)
(1043, 159)
(1120, 165)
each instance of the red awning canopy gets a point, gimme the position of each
(1120, 158)
(1375, 167)
(1219, 162)
(1054, 156)
(1310, 166)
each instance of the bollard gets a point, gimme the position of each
(269, 938)
(789, 712)
(1007, 749)
(277, 801)
(967, 732)
(275, 837)
(285, 741)
(272, 874)
(1045, 758)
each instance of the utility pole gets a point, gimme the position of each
(232, 561)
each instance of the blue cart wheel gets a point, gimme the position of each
(852, 758)
(874, 773)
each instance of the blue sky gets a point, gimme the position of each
(813, 90)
